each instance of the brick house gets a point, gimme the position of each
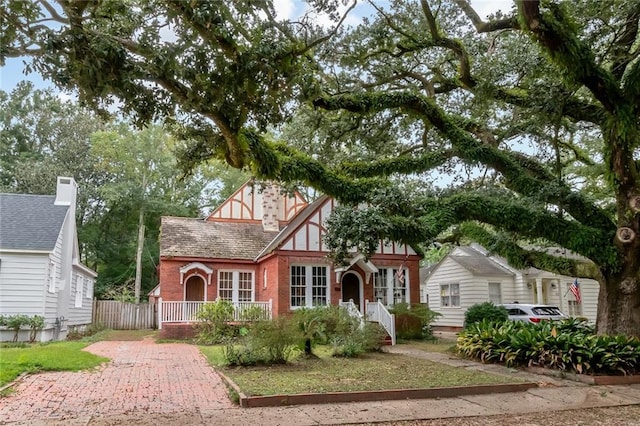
(264, 248)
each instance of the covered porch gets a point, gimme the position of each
(186, 312)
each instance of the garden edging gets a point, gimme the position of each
(584, 378)
(380, 395)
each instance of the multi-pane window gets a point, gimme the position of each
(79, 288)
(575, 309)
(380, 286)
(89, 292)
(52, 277)
(495, 293)
(235, 286)
(245, 286)
(318, 285)
(391, 287)
(309, 286)
(449, 295)
(399, 286)
(225, 285)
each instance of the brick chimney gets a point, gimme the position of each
(270, 203)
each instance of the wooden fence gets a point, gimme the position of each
(124, 316)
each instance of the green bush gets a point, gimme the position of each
(568, 345)
(267, 342)
(414, 321)
(363, 339)
(15, 323)
(485, 311)
(35, 323)
(214, 327)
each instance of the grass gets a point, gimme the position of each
(57, 356)
(125, 335)
(375, 371)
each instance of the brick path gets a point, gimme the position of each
(142, 377)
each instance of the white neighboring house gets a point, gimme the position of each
(469, 275)
(40, 270)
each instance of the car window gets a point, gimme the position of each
(546, 310)
(516, 311)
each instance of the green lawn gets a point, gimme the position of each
(376, 371)
(57, 356)
(441, 345)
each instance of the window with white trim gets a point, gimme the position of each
(495, 293)
(79, 287)
(449, 295)
(309, 286)
(380, 286)
(236, 286)
(52, 277)
(575, 308)
(89, 291)
(390, 287)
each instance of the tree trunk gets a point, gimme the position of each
(138, 280)
(619, 305)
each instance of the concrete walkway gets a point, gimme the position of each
(148, 384)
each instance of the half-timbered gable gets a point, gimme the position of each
(267, 247)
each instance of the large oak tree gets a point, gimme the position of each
(418, 86)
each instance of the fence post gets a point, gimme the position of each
(270, 309)
(159, 313)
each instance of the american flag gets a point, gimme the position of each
(575, 289)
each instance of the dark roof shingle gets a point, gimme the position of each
(30, 222)
(189, 237)
(479, 264)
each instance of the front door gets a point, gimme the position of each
(194, 291)
(351, 289)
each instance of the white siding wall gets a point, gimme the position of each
(449, 272)
(80, 315)
(51, 299)
(23, 283)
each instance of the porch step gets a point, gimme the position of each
(387, 340)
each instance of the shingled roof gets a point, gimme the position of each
(478, 263)
(30, 222)
(200, 238)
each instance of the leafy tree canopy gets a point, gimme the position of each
(419, 85)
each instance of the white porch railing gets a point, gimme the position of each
(377, 312)
(352, 309)
(181, 312)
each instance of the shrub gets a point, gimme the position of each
(267, 342)
(214, 327)
(414, 321)
(567, 346)
(15, 323)
(367, 338)
(35, 323)
(485, 311)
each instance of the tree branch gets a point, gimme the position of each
(486, 27)
(553, 31)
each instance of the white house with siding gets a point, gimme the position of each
(470, 275)
(40, 269)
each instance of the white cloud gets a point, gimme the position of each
(285, 9)
(486, 7)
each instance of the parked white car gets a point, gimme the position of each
(533, 313)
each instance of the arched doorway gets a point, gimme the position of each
(351, 288)
(194, 289)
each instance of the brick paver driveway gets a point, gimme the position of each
(142, 377)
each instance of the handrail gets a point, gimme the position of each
(352, 309)
(183, 311)
(377, 312)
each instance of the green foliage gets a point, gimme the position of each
(267, 342)
(485, 311)
(35, 323)
(15, 323)
(367, 338)
(414, 321)
(569, 345)
(213, 326)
